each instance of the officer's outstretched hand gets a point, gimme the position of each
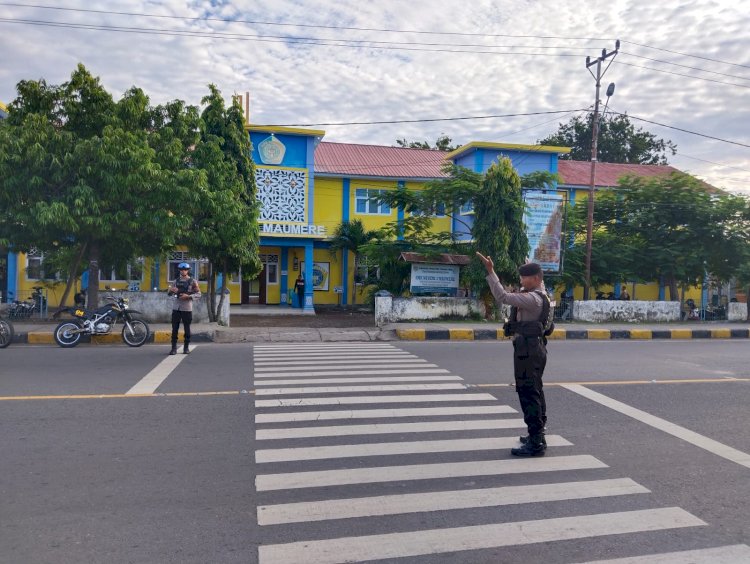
(487, 262)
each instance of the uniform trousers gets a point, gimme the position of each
(529, 360)
(186, 317)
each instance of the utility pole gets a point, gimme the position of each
(594, 142)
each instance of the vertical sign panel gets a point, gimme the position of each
(543, 219)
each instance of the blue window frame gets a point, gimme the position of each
(366, 203)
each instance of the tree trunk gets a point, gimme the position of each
(223, 289)
(673, 295)
(747, 302)
(93, 289)
(354, 278)
(211, 290)
(72, 275)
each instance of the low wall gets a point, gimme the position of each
(601, 311)
(156, 307)
(389, 309)
(737, 311)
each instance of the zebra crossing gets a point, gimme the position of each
(368, 437)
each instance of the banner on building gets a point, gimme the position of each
(543, 219)
(434, 279)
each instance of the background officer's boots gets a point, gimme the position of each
(535, 445)
(174, 349)
(186, 348)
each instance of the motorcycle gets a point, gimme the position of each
(101, 322)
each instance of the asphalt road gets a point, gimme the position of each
(198, 458)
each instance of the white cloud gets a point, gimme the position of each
(292, 83)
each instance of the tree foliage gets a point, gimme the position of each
(78, 169)
(670, 228)
(619, 141)
(351, 237)
(224, 211)
(442, 143)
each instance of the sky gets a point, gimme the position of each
(684, 65)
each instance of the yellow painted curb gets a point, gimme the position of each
(461, 334)
(598, 334)
(501, 335)
(166, 336)
(721, 333)
(411, 334)
(557, 335)
(681, 333)
(41, 339)
(641, 334)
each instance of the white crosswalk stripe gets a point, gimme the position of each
(288, 382)
(317, 374)
(385, 428)
(382, 474)
(435, 541)
(442, 501)
(382, 413)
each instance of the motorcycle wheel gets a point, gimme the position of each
(65, 336)
(6, 333)
(139, 334)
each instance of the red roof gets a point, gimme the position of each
(348, 159)
(578, 173)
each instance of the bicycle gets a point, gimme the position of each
(6, 333)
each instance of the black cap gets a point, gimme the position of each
(529, 269)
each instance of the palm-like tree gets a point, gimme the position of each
(350, 236)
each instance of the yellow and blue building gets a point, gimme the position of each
(307, 187)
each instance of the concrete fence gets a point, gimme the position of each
(602, 311)
(737, 311)
(156, 307)
(389, 309)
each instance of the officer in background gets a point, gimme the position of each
(530, 314)
(185, 290)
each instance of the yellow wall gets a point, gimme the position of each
(328, 207)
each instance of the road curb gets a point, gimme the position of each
(574, 334)
(156, 337)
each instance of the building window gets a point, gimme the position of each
(366, 202)
(438, 211)
(35, 266)
(367, 271)
(198, 266)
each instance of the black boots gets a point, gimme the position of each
(534, 445)
(525, 438)
(186, 349)
(174, 349)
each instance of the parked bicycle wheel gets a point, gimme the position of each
(135, 332)
(67, 334)
(6, 333)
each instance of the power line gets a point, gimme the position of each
(423, 120)
(683, 130)
(367, 29)
(269, 39)
(685, 75)
(686, 54)
(683, 66)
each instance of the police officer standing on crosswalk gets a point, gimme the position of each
(528, 323)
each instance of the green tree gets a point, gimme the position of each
(619, 141)
(225, 210)
(442, 143)
(79, 170)
(350, 237)
(670, 228)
